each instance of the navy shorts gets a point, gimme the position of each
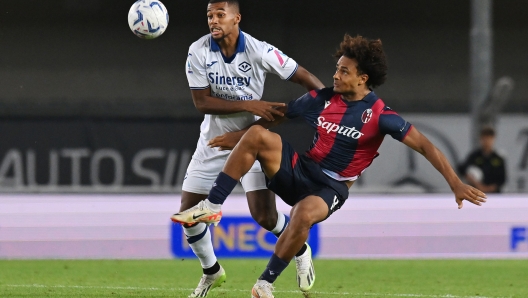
(299, 176)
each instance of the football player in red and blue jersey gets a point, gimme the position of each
(351, 122)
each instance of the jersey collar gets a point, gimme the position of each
(240, 48)
(370, 97)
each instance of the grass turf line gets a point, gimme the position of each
(335, 278)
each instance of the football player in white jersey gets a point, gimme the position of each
(226, 70)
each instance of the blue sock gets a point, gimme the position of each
(274, 269)
(222, 187)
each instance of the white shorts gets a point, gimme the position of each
(201, 175)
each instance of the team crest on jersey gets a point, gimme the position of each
(366, 116)
(244, 66)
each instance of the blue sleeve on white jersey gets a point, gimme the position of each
(393, 124)
(303, 104)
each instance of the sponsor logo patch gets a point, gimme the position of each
(189, 68)
(211, 64)
(330, 127)
(283, 59)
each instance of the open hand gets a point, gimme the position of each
(264, 109)
(226, 141)
(468, 193)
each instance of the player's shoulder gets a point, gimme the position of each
(254, 45)
(325, 93)
(500, 153)
(201, 44)
(380, 104)
(374, 99)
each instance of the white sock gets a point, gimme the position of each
(213, 207)
(281, 223)
(202, 245)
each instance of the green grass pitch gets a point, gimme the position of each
(335, 278)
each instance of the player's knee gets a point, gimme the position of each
(301, 221)
(255, 134)
(306, 214)
(257, 130)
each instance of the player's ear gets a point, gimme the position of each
(238, 18)
(364, 78)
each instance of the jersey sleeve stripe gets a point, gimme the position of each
(407, 133)
(294, 71)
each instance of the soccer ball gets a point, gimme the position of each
(475, 172)
(148, 19)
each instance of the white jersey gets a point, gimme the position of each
(240, 77)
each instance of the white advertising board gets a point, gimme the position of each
(367, 226)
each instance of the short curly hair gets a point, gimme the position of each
(369, 56)
(234, 3)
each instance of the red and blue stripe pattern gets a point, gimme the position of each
(348, 133)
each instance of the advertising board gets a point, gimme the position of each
(367, 226)
(151, 156)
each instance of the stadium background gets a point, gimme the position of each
(77, 59)
(90, 116)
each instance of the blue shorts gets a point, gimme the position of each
(299, 176)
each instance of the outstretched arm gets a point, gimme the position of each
(207, 104)
(417, 141)
(295, 108)
(306, 79)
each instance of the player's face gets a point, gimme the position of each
(347, 80)
(487, 143)
(223, 20)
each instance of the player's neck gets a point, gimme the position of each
(228, 44)
(487, 151)
(355, 96)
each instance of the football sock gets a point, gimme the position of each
(222, 187)
(212, 270)
(302, 250)
(199, 239)
(213, 207)
(282, 222)
(274, 269)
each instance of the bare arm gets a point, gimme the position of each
(418, 142)
(207, 104)
(306, 79)
(229, 140)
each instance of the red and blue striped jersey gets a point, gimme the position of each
(348, 133)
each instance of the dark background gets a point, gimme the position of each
(71, 58)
